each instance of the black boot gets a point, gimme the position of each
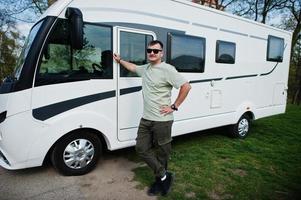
(167, 183)
(155, 188)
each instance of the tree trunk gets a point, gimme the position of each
(298, 94)
(296, 34)
(50, 2)
(264, 12)
(264, 16)
(256, 10)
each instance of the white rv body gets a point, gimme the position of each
(37, 116)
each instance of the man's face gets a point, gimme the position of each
(154, 53)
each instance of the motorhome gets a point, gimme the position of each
(67, 100)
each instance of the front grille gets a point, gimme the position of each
(2, 157)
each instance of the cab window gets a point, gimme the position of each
(60, 63)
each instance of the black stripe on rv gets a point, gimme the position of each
(264, 74)
(219, 79)
(205, 80)
(130, 90)
(46, 112)
(244, 76)
(232, 77)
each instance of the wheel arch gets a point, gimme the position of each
(100, 135)
(250, 114)
(246, 108)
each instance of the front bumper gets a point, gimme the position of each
(3, 161)
(3, 158)
(7, 163)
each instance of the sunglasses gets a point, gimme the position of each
(153, 50)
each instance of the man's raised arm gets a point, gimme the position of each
(129, 66)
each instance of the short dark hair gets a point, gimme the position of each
(153, 42)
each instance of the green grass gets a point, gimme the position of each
(210, 165)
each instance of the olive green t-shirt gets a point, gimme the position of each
(157, 83)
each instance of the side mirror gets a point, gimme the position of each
(75, 17)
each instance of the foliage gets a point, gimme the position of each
(266, 165)
(8, 44)
(23, 10)
(294, 7)
(217, 4)
(258, 10)
(292, 21)
(11, 12)
(295, 75)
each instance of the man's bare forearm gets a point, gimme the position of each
(184, 90)
(129, 66)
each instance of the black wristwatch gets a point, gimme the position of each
(173, 106)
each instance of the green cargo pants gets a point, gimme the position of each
(153, 144)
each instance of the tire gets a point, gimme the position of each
(76, 154)
(242, 128)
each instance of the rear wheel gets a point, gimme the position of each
(76, 154)
(241, 128)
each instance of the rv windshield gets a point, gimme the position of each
(26, 48)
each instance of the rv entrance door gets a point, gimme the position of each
(131, 45)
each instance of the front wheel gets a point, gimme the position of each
(76, 154)
(241, 128)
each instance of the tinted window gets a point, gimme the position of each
(275, 49)
(60, 63)
(186, 53)
(132, 49)
(26, 47)
(225, 52)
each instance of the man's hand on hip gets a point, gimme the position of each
(165, 110)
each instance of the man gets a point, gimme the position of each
(154, 133)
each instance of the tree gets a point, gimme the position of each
(11, 12)
(50, 2)
(258, 10)
(8, 45)
(217, 4)
(295, 75)
(294, 7)
(292, 22)
(23, 10)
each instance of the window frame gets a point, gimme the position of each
(169, 51)
(217, 47)
(57, 80)
(268, 49)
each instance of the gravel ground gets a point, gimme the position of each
(111, 179)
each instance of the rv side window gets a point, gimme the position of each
(61, 64)
(132, 49)
(186, 53)
(225, 52)
(275, 49)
